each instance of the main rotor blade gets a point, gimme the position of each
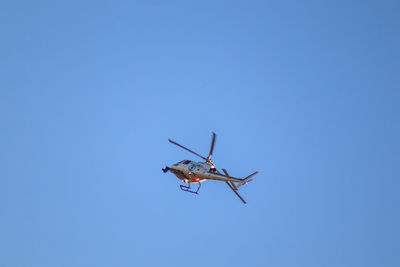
(175, 143)
(227, 175)
(212, 144)
(231, 187)
(236, 193)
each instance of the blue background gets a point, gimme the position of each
(305, 92)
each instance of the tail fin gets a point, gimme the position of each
(246, 180)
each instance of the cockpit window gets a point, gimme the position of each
(186, 162)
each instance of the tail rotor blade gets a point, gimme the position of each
(175, 143)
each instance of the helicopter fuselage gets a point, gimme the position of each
(196, 172)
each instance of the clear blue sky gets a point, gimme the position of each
(305, 92)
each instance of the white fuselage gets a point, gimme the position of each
(195, 172)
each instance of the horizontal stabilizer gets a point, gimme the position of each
(246, 180)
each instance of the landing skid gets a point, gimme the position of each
(188, 189)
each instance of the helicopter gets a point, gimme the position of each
(197, 172)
